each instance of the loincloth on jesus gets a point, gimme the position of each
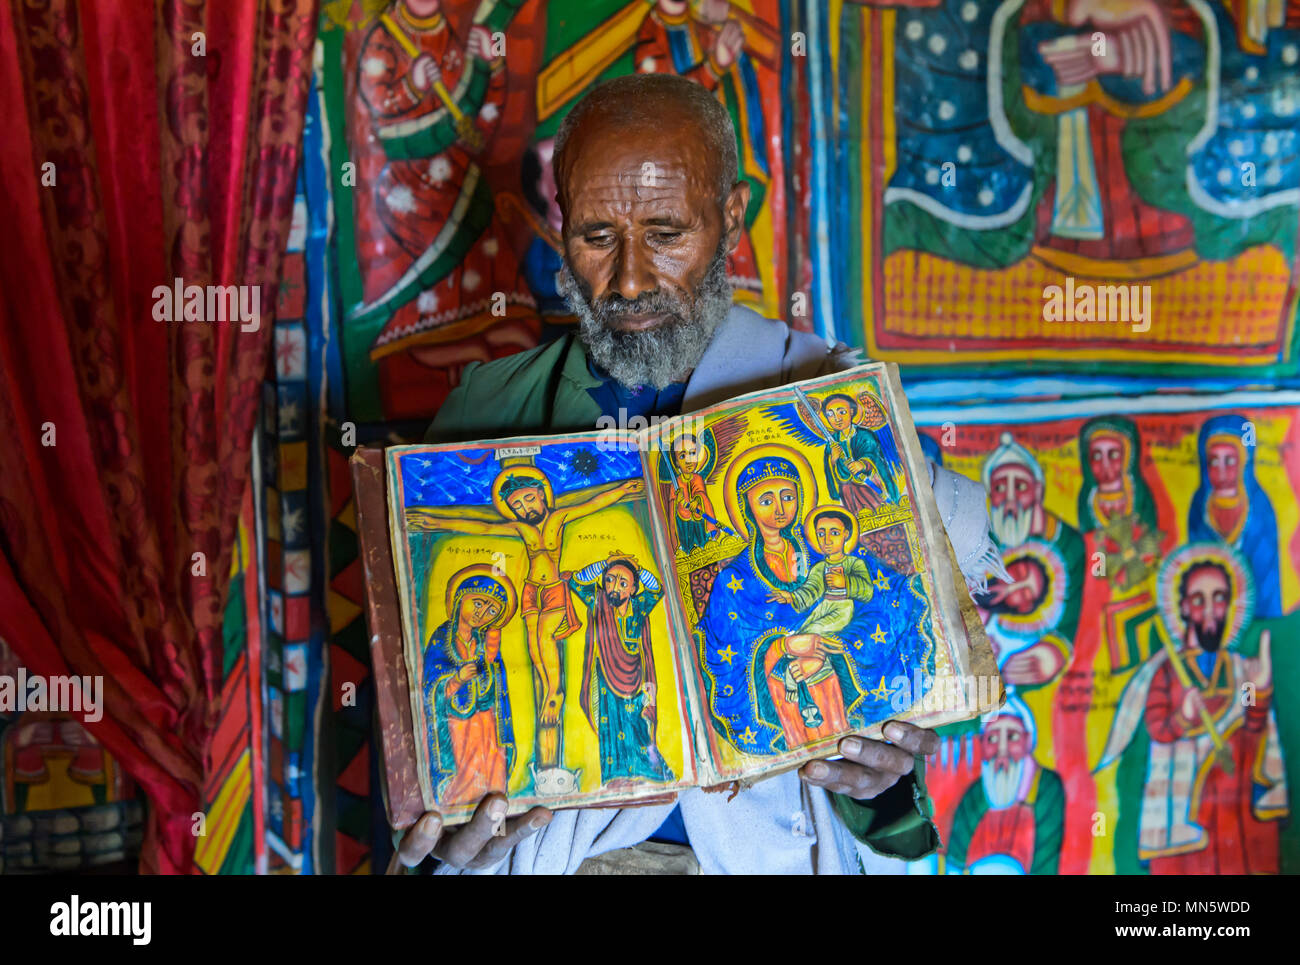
(540, 598)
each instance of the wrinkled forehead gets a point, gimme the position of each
(611, 161)
(1004, 723)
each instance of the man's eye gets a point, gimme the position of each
(667, 237)
(598, 241)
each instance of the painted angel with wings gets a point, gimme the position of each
(863, 469)
(689, 463)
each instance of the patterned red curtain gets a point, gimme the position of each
(144, 142)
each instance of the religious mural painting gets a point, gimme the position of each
(1080, 182)
(925, 175)
(442, 118)
(1152, 723)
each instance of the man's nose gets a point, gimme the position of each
(635, 270)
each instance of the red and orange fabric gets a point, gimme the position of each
(144, 143)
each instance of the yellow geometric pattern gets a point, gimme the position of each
(932, 297)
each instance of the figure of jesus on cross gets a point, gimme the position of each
(522, 496)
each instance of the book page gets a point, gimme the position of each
(815, 578)
(535, 628)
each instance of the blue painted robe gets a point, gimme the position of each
(487, 691)
(739, 625)
(1258, 539)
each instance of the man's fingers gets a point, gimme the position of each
(463, 846)
(915, 740)
(877, 755)
(516, 829)
(419, 840)
(845, 777)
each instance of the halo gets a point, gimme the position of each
(1047, 614)
(807, 481)
(482, 569)
(529, 472)
(810, 531)
(1241, 609)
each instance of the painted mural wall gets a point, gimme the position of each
(1100, 199)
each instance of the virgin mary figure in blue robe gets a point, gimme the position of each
(1255, 534)
(741, 635)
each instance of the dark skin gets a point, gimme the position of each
(641, 213)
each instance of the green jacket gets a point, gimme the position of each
(544, 390)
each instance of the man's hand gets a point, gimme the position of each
(871, 767)
(633, 487)
(480, 844)
(1259, 670)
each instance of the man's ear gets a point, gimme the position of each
(733, 213)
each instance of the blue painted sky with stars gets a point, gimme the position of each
(464, 476)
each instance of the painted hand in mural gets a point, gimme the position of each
(480, 43)
(1260, 668)
(1135, 44)
(730, 42)
(870, 767)
(1036, 665)
(425, 72)
(481, 843)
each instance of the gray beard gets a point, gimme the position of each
(1002, 788)
(662, 355)
(1009, 527)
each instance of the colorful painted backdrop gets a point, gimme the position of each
(928, 176)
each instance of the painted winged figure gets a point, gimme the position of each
(688, 464)
(863, 467)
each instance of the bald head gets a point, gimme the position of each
(646, 179)
(670, 106)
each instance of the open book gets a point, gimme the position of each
(611, 616)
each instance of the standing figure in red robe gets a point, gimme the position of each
(1214, 786)
(708, 46)
(438, 268)
(1010, 821)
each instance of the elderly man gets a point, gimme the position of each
(646, 176)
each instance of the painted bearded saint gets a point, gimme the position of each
(1012, 820)
(1032, 619)
(618, 694)
(1214, 785)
